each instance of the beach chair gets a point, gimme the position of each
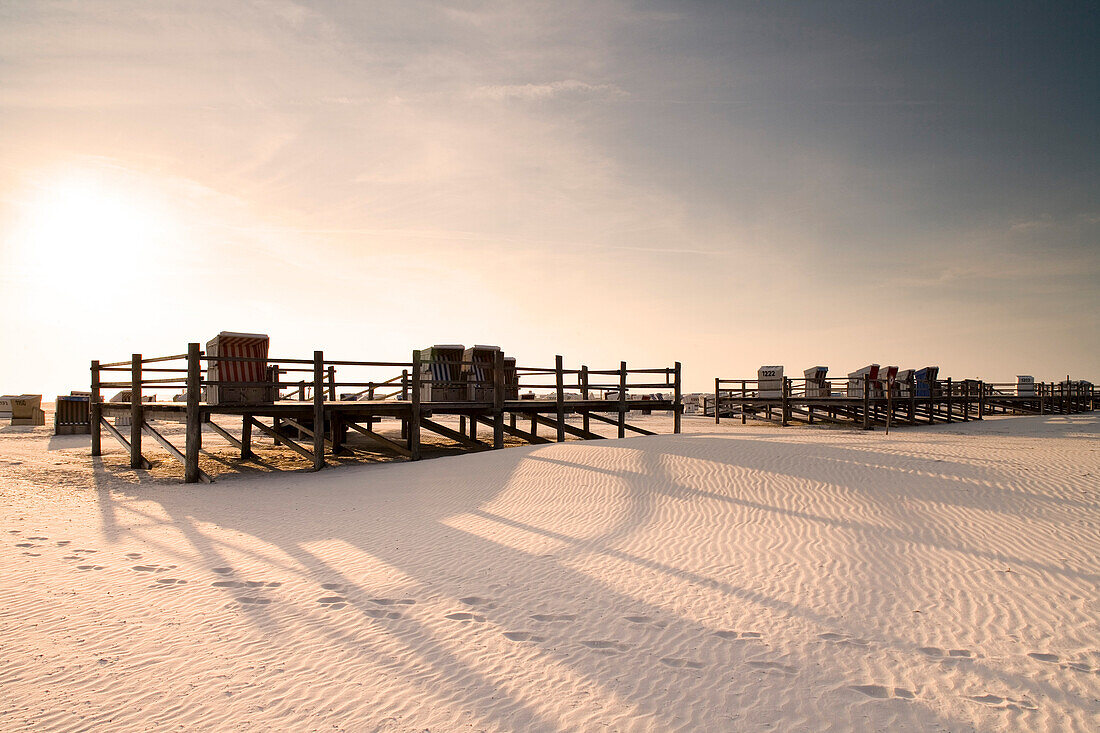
(1025, 385)
(856, 380)
(886, 382)
(71, 416)
(902, 383)
(441, 377)
(5, 407)
(769, 381)
(27, 410)
(242, 382)
(926, 381)
(816, 381)
(478, 374)
(511, 379)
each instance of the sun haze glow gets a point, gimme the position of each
(86, 221)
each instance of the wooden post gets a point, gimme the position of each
(785, 421)
(912, 383)
(404, 397)
(1042, 402)
(193, 428)
(246, 438)
(981, 400)
(332, 383)
(137, 417)
(744, 392)
(414, 410)
(94, 411)
(559, 396)
(717, 412)
(584, 395)
(498, 399)
(677, 399)
(622, 399)
(949, 416)
(966, 400)
(318, 410)
(866, 403)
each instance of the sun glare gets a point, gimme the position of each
(88, 219)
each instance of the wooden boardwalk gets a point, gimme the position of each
(870, 403)
(601, 396)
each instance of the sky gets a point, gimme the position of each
(717, 183)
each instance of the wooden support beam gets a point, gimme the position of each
(572, 430)
(518, 433)
(318, 410)
(246, 438)
(280, 438)
(498, 400)
(113, 431)
(585, 424)
(559, 396)
(622, 399)
(628, 426)
(380, 439)
(193, 423)
(173, 450)
(94, 411)
(677, 401)
(414, 409)
(228, 435)
(454, 435)
(136, 416)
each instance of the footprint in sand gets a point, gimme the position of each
(38, 539)
(1081, 667)
(478, 601)
(681, 663)
(739, 635)
(27, 544)
(1002, 703)
(1053, 658)
(33, 554)
(882, 692)
(646, 621)
(381, 613)
(222, 571)
(332, 586)
(63, 543)
(88, 552)
(606, 647)
(842, 639)
(133, 555)
(90, 567)
(332, 602)
(464, 616)
(774, 667)
(254, 600)
(168, 582)
(552, 617)
(523, 636)
(153, 568)
(949, 654)
(15, 531)
(392, 601)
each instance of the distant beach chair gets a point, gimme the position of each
(71, 417)
(5, 407)
(769, 381)
(243, 382)
(478, 374)
(27, 410)
(441, 377)
(926, 381)
(901, 383)
(816, 381)
(856, 380)
(1025, 385)
(885, 384)
(123, 421)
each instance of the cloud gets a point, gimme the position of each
(565, 87)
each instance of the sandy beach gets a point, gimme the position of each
(730, 578)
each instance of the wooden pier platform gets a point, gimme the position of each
(871, 402)
(601, 396)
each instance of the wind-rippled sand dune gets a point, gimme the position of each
(727, 579)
